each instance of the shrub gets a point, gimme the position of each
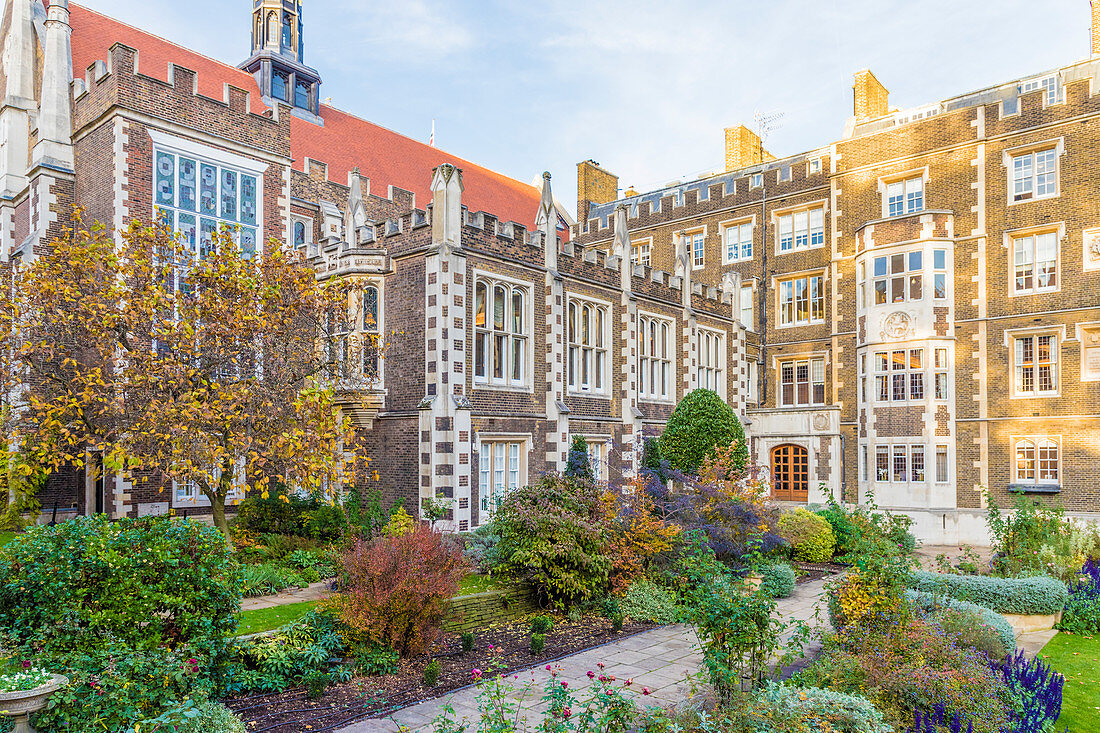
(912, 665)
(400, 523)
(617, 621)
(431, 673)
(579, 465)
(468, 640)
(844, 528)
(144, 583)
(861, 599)
(276, 661)
(700, 422)
(644, 600)
(396, 589)
(315, 682)
(376, 659)
(1039, 595)
(941, 607)
(542, 625)
(637, 536)
(652, 461)
(1082, 614)
(482, 549)
(788, 708)
(777, 580)
(1035, 539)
(810, 536)
(538, 643)
(212, 716)
(552, 537)
(289, 513)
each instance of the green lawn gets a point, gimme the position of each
(479, 584)
(1078, 658)
(265, 619)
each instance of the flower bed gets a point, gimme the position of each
(24, 680)
(503, 648)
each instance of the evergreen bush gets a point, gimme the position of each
(701, 422)
(778, 580)
(809, 535)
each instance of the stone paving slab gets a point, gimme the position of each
(660, 659)
(312, 592)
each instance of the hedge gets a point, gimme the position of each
(1000, 625)
(1040, 595)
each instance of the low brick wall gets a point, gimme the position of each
(481, 609)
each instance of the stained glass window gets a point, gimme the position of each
(196, 197)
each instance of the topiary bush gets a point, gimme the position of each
(809, 535)
(1039, 595)
(144, 583)
(938, 605)
(701, 422)
(778, 580)
(644, 600)
(552, 537)
(396, 589)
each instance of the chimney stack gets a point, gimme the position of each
(594, 186)
(1095, 28)
(871, 100)
(744, 148)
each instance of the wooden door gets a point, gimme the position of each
(790, 473)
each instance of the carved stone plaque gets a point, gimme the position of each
(1092, 249)
(897, 325)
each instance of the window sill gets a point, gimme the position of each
(802, 325)
(1035, 395)
(593, 395)
(799, 249)
(1035, 488)
(1048, 197)
(502, 387)
(1034, 291)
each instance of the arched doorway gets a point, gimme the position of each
(790, 473)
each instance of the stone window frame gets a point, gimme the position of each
(719, 369)
(724, 227)
(600, 463)
(670, 350)
(886, 376)
(608, 338)
(1037, 443)
(909, 451)
(1009, 155)
(808, 357)
(810, 166)
(777, 284)
(376, 332)
(792, 211)
(689, 236)
(750, 286)
(884, 183)
(525, 442)
(199, 500)
(1083, 331)
(1009, 342)
(310, 245)
(1058, 229)
(635, 249)
(527, 331)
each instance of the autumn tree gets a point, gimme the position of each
(220, 370)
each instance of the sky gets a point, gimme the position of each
(644, 87)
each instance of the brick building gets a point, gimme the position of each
(510, 340)
(920, 295)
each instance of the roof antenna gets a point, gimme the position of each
(766, 122)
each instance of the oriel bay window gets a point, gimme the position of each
(898, 278)
(500, 333)
(802, 382)
(587, 358)
(371, 332)
(899, 464)
(654, 358)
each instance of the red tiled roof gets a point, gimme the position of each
(344, 142)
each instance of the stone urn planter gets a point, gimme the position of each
(21, 703)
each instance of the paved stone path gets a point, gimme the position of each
(312, 592)
(659, 659)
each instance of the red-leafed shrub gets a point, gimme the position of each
(396, 589)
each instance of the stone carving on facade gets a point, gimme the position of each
(1092, 248)
(897, 325)
(821, 421)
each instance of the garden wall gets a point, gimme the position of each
(478, 610)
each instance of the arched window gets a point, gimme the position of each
(500, 341)
(587, 346)
(300, 234)
(279, 84)
(1037, 461)
(301, 95)
(288, 33)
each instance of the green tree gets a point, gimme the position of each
(699, 424)
(579, 465)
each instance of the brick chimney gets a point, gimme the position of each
(743, 148)
(594, 186)
(871, 99)
(1095, 27)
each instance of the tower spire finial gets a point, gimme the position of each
(55, 117)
